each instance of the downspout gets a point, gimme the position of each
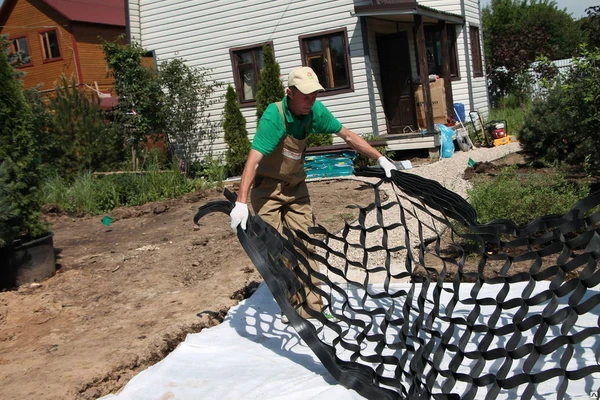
(467, 55)
(369, 75)
(127, 23)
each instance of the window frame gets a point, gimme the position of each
(236, 71)
(476, 56)
(343, 32)
(452, 50)
(14, 40)
(43, 47)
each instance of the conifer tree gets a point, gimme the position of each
(236, 135)
(18, 158)
(269, 88)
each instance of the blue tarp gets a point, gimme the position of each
(329, 165)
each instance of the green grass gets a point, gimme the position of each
(514, 117)
(524, 198)
(95, 194)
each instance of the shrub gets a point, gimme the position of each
(564, 129)
(79, 138)
(319, 139)
(364, 161)
(236, 135)
(18, 158)
(189, 95)
(269, 88)
(522, 199)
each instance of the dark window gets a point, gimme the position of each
(327, 54)
(433, 44)
(476, 51)
(20, 47)
(247, 63)
(50, 47)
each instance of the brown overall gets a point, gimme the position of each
(280, 196)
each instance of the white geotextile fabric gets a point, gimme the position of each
(253, 355)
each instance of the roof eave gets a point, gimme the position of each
(407, 9)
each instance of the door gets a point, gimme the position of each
(396, 82)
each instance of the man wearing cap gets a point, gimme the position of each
(275, 164)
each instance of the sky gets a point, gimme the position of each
(575, 7)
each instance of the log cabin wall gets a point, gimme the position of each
(89, 39)
(31, 20)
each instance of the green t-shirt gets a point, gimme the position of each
(271, 128)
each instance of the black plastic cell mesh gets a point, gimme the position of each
(430, 304)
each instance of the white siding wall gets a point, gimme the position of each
(134, 20)
(202, 31)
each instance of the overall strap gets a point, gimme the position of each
(279, 105)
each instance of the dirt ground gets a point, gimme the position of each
(125, 295)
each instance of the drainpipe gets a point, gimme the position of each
(467, 55)
(369, 75)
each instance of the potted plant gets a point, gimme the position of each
(26, 248)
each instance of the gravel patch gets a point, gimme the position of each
(417, 225)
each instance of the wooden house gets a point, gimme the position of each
(372, 56)
(55, 37)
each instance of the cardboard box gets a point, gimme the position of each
(438, 103)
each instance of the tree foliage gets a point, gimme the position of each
(269, 88)
(564, 128)
(18, 159)
(236, 134)
(79, 137)
(542, 29)
(590, 25)
(139, 113)
(188, 95)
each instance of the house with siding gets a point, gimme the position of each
(371, 56)
(55, 37)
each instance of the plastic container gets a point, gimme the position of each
(459, 112)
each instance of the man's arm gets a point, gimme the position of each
(363, 147)
(239, 214)
(254, 158)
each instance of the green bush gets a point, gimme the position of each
(79, 138)
(522, 199)
(319, 139)
(236, 134)
(19, 159)
(363, 161)
(269, 88)
(565, 127)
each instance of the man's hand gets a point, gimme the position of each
(387, 166)
(239, 216)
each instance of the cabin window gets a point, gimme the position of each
(20, 47)
(328, 55)
(247, 63)
(50, 47)
(476, 51)
(433, 45)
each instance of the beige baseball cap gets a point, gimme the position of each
(305, 79)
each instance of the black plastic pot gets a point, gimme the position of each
(27, 262)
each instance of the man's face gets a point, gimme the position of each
(300, 103)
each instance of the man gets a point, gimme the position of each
(275, 164)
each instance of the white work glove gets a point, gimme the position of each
(387, 166)
(239, 216)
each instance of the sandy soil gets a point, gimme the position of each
(126, 295)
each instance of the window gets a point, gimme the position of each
(476, 51)
(20, 47)
(50, 47)
(327, 54)
(247, 63)
(433, 44)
